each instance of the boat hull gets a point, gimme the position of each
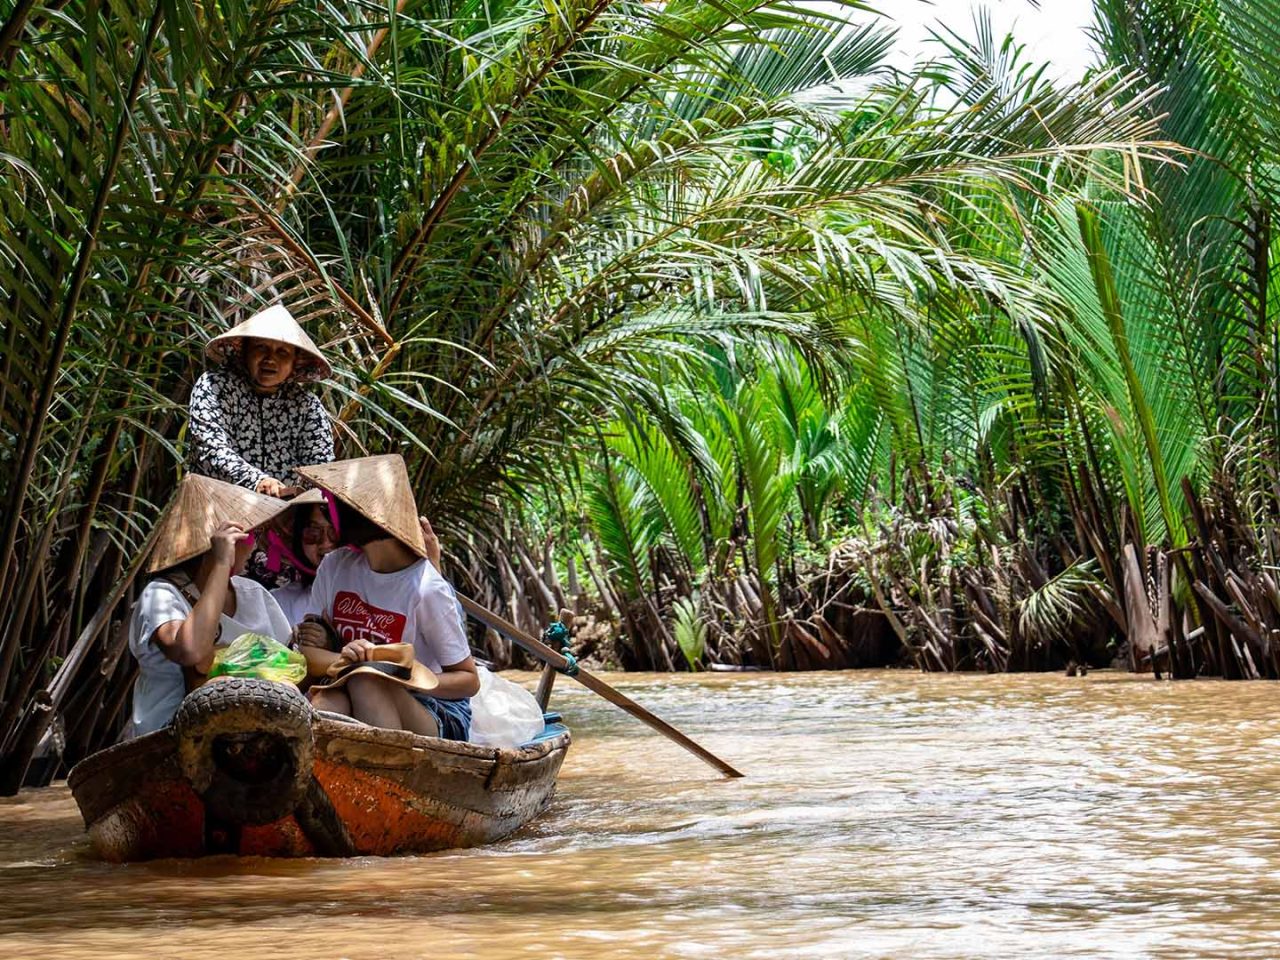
(364, 791)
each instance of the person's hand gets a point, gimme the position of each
(223, 543)
(311, 634)
(272, 487)
(432, 542)
(358, 650)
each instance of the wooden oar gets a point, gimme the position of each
(593, 683)
(548, 678)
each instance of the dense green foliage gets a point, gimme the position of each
(697, 289)
(1022, 387)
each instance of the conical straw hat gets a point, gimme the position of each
(308, 498)
(379, 488)
(199, 506)
(274, 323)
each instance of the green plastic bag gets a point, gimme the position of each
(257, 655)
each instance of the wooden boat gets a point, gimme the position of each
(247, 767)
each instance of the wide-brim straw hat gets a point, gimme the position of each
(390, 661)
(377, 487)
(198, 508)
(274, 323)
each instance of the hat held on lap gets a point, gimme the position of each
(390, 661)
(274, 323)
(377, 487)
(199, 507)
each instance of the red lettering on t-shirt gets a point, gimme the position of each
(354, 619)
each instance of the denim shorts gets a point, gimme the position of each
(453, 716)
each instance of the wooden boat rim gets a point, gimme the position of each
(333, 786)
(462, 748)
(162, 741)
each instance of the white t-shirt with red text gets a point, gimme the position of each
(414, 605)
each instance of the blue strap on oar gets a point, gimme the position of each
(557, 635)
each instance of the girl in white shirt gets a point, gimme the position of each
(386, 591)
(310, 538)
(195, 601)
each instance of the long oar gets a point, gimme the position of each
(593, 683)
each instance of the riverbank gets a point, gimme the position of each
(884, 814)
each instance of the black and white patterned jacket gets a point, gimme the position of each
(241, 436)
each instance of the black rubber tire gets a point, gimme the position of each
(231, 708)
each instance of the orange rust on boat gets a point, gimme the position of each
(167, 822)
(283, 838)
(380, 815)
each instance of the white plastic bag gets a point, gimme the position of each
(503, 714)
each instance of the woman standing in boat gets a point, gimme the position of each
(386, 591)
(195, 600)
(253, 419)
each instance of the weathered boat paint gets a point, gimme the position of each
(373, 792)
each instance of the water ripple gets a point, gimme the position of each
(884, 815)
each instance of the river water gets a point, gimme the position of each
(883, 815)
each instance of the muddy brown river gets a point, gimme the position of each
(883, 815)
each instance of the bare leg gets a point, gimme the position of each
(335, 701)
(371, 702)
(389, 706)
(413, 715)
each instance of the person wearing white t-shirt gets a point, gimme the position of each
(195, 602)
(386, 591)
(310, 540)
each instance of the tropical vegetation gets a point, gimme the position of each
(692, 315)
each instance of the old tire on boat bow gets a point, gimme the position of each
(246, 747)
